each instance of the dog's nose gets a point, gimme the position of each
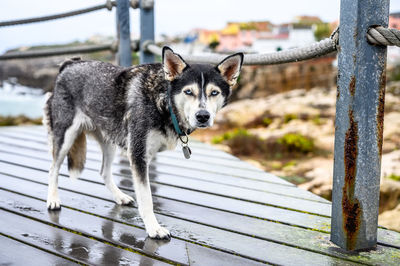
(202, 116)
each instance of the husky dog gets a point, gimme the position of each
(142, 109)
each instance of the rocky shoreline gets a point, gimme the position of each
(305, 115)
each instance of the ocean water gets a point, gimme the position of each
(18, 100)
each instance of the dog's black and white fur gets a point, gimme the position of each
(128, 107)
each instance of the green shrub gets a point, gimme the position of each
(229, 135)
(18, 120)
(289, 117)
(317, 120)
(322, 31)
(293, 142)
(394, 73)
(263, 120)
(241, 142)
(267, 121)
(290, 164)
(394, 177)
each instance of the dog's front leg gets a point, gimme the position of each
(139, 166)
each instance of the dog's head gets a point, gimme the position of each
(199, 91)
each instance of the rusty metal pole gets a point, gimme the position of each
(359, 126)
(146, 29)
(124, 34)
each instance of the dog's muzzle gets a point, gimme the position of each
(202, 118)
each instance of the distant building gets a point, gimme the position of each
(236, 36)
(258, 36)
(393, 54)
(208, 36)
(394, 20)
(233, 38)
(307, 20)
(284, 37)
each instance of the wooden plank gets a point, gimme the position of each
(190, 179)
(118, 234)
(198, 232)
(161, 169)
(178, 172)
(389, 238)
(386, 236)
(210, 201)
(249, 172)
(231, 181)
(201, 148)
(214, 168)
(64, 243)
(97, 156)
(11, 250)
(161, 190)
(292, 236)
(238, 207)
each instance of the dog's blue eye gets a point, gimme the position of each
(214, 93)
(188, 92)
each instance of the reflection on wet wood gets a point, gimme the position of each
(219, 209)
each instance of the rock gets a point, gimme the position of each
(321, 177)
(390, 219)
(39, 72)
(390, 164)
(389, 195)
(34, 73)
(312, 113)
(304, 104)
(260, 81)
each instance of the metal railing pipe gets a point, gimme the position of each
(124, 55)
(146, 29)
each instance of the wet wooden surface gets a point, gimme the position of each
(220, 211)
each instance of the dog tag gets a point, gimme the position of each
(186, 151)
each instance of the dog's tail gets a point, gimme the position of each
(47, 122)
(77, 156)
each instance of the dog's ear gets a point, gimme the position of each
(173, 64)
(230, 68)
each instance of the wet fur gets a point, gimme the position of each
(125, 107)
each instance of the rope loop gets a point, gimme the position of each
(379, 35)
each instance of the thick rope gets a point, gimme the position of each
(314, 50)
(84, 49)
(379, 35)
(57, 51)
(376, 35)
(109, 5)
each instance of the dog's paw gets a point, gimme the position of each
(159, 233)
(122, 199)
(53, 203)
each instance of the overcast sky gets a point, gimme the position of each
(172, 17)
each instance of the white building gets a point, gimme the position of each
(283, 38)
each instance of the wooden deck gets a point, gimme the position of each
(220, 211)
